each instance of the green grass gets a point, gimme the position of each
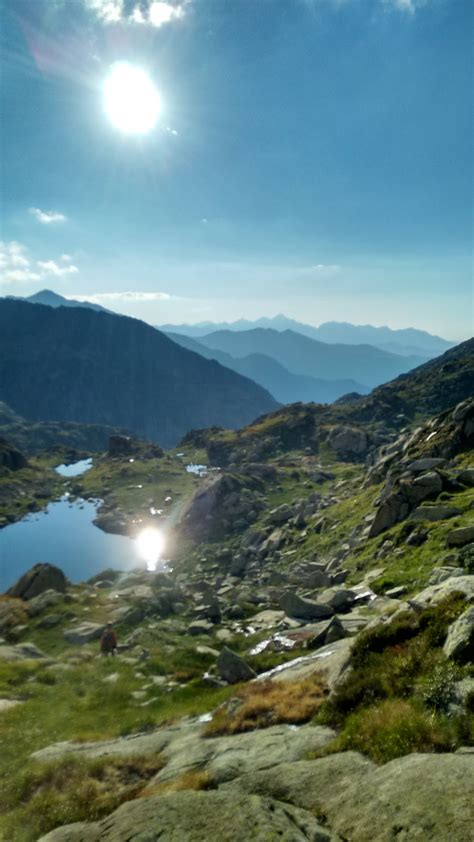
(397, 696)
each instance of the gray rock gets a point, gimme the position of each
(49, 621)
(48, 599)
(427, 464)
(340, 599)
(21, 652)
(348, 440)
(304, 609)
(84, 633)
(41, 577)
(459, 643)
(232, 668)
(425, 797)
(434, 513)
(440, 574)
(198, 817)
(280, 515)
(460, 537)
(200, 627)
(392, 510)
(423, 487)
(330, 662)
(434, 594)
(467, 477)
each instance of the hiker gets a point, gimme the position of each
(108, 641)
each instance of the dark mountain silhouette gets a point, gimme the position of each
(52, 299)
(302, 355)
(281, 383)
(75, 364)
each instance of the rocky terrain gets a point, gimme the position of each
(303, 662)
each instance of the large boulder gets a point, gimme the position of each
(348, 441)
(434, 513)
(198, 817)
(232, 668)
(459, 643)
(41, 577)
(304, 609)
(329, 662)
(460, 537)
(425, 797)
(434, 594)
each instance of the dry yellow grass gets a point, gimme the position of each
(196, 779)
(261, 704)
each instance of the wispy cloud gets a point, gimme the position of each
(407, 6)
(131, 297)
(155, 13)
(47, 217)
(16, 265)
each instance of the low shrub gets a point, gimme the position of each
(393, 728)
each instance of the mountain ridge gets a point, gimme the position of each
(74, 364)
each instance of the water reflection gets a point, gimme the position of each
(150, 545)
(64, 535)
(75, 469)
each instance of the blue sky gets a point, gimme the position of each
(311, 157)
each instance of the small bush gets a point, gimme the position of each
(392, 729)
(437, 689)
(261, 704)
(466, 558)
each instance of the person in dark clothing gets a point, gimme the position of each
(108, 641)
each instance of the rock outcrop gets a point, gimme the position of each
(41, 577)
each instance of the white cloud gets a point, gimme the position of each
(101, 297)
(17, 267)
(53, 269)
(155, 13)
(47, 217)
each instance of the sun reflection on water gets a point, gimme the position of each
(150, 544)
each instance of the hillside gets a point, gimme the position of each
(74, 364)
(353, 431)
(281, 383)
(301, 355)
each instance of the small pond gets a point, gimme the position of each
(64, 534)
(75, 469)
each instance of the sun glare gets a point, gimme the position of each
(150, 545)
(132, 103)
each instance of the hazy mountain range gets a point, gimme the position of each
(408, 341)
(288, 359)
(76, 364)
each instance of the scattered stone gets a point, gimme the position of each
(200, 627)
(428, 464)
(467, 477)
(50, 621)
(232, 668)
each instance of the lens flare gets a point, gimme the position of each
(150, 545)
(131, 100)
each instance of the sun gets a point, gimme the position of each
(132, 102)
